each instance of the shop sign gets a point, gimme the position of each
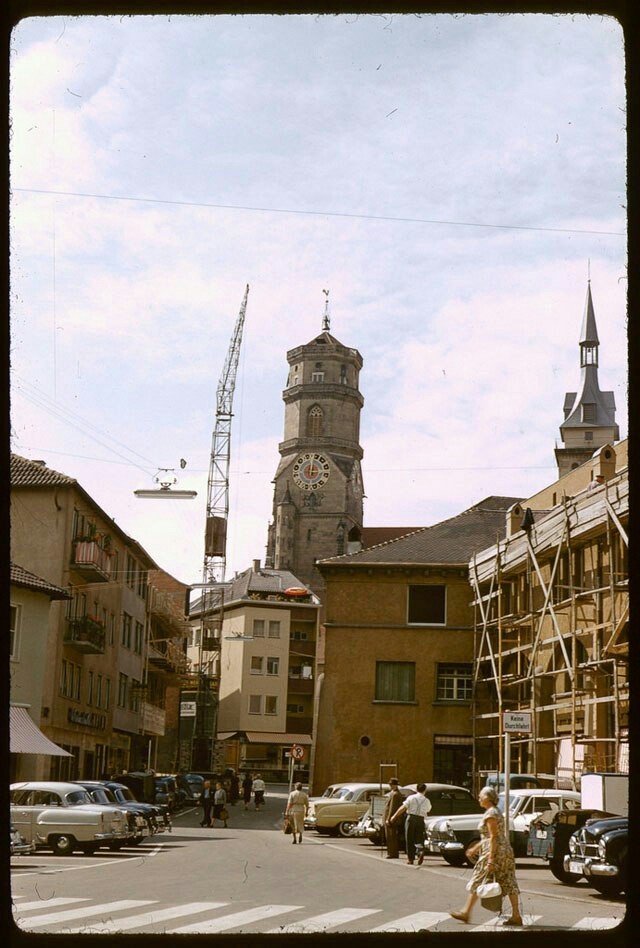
(86, 718)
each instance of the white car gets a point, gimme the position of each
(338, 811)
(62, 817)
(453, 835)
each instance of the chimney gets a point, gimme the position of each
(514, 516)
(256, 566)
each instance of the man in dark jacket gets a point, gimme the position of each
(206, 799)
(393, 802)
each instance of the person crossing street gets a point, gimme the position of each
(417, 807)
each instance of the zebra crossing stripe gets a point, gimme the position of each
(320, 923)
(597, 923)
(84, 912)
(150, 917)
(413, 923)
(45, 904)
(495, 925)
(236, 920)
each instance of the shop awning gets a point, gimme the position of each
(265, 737)
(27, 738)
(226, 735)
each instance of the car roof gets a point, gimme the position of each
(60, 786)
(543, 792)
(434, 786)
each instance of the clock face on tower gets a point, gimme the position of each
(311, 471)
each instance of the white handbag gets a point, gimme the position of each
(489, 890)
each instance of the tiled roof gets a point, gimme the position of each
(22, 577)
(372, 536)
(26, 473)
(264, 580)
(452, 541)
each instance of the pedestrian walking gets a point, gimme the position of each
(234, 789)
(219, 805)
(297, 807)
(417, 807)
(392, 804)
(206, 799)
(247, 784)
(259, 787)
(496, 860)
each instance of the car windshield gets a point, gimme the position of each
(77, 797)
(123, 793)
(329, 792)
(98, 795)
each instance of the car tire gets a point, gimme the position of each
(609, 887)
(454, 859)
(568, 878)
(136, 841)
(346, 828)
(89, 849)
(63, 845)
(116, 845)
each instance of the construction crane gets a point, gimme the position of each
(215, 556)
(215, 539)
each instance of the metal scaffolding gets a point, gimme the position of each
(551, 637)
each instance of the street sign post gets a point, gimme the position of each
(297, 752)
(513, 722)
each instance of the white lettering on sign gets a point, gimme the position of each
(516, 721)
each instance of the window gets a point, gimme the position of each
(427, 605)
(454, 682)
(90, 688)
(107, 693)
(299, 636)
(588, 436)
(271, 704)
(274, 629)
(317, 376)
(139, 638)
(589, 412)
(112, 629)
(70, 680)
(314, 422)
(272, 666)
(395, 681)
(134, 695)
(255, 704)
(258, 628)
(98, 691)
(343, 375)
(256, 664)
(123, 687)
(141, 588)
(130, 571)
(127, 622)
(295, 709)
(14, 632)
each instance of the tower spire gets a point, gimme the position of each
(326, 321)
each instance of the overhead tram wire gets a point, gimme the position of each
(344, 214)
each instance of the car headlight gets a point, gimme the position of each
(444, 826)
(602, 849)
(573, 845)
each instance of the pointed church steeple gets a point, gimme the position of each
(589, 415)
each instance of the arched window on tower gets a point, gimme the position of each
(314, 422)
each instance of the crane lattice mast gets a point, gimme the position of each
(215, 540)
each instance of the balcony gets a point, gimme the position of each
(168, 656)
(302, 647)
(85, 634)
(299, 686)
(91, 560)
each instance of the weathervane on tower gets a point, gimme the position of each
(326, 322)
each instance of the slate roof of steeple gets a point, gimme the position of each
(589, 333)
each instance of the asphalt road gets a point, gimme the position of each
(250, 878)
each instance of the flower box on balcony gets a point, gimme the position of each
(90, 557)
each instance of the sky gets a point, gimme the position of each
(453, 180)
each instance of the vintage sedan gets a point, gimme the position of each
(156, 813)
(18, 845)
(137, 826)
(62, 817)
(339, 813)
(598, 851)
(446, 800)
(453, 836)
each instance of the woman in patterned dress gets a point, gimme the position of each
(496, 859)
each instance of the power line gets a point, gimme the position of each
(284, 210)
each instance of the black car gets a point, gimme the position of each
(598, 851)
(137, 826)
(157, 814)
(549, 837)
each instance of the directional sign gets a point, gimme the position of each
(516, 722)
(297, 752)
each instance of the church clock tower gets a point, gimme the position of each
(317, 505)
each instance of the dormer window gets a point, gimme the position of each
(589, 413)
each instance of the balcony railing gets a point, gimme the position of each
(90, 558)
(299, 686)
(85, 634)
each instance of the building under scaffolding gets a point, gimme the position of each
(552, 627)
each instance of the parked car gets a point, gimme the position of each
(192, 784)
(598, 851)
(62, 817)
(157, 814)
(445, 799)
(516, 781)
(549, 836)
(137, 825)
(453, 836)
(339, 813)
(166, 791)
(18, 845)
